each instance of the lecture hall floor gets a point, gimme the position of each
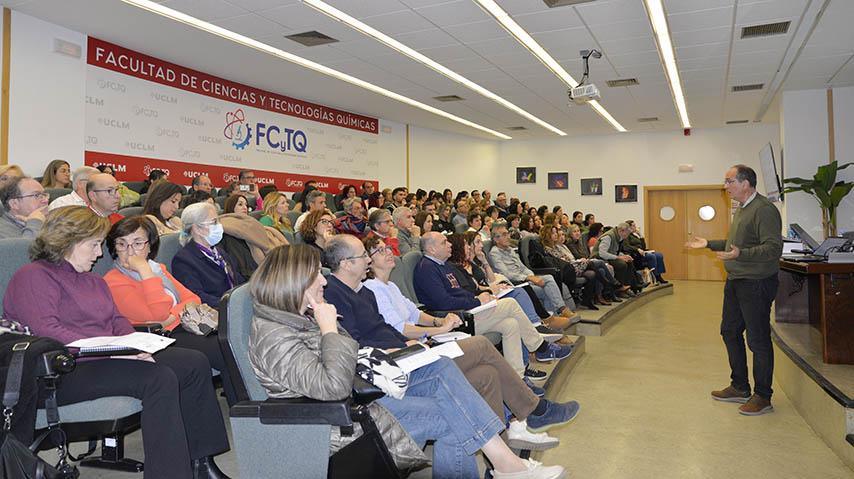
(646, 411)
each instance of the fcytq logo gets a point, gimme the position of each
(236, 130)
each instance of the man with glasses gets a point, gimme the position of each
(25, 206)
(103, 193)
(78, 194)
(247, 186)
(751, 256)
(202, 183)
(315, 200)
(408, 233)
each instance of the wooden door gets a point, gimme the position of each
(669, 235)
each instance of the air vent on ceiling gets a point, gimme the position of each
(737, 122)
(311, 39)
(647, 119)
(623, 82)
(516, 128)
(753, 86)
(447, 98)
(754, 31)
(563, 3)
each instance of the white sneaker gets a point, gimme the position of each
(535, 470)
(518, 437)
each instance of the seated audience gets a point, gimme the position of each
(233, 188)
(314, 201)
(578, 219)
(145, 292)
(475, 222)
(385, 198)
(197, 196)
(515, 208)
(347, 192)
(276, 207)
(462, 214)
(443, 223)
(317, 229)
(102, 191)
(78, 194)
(635, 246)
(249, 187)
(56, 296)
(381, 225)
(560, 254)
(408, 233)
(473, 272)
(424, 221)
(437, 288)
(353, 222)
(161, 203)
(513, 222)
(589, 219)
(129, 197)
(245, 239)
(507, 262)
(202, 183)
(501, 204)
(24, 208)
(595, 231)
(200, 265)
(153, 176)
(526, 226)
(302, 204)
(607, 248)
(603, 271)
(7, 172)
(398, 198)
(300, 352)
(57, 174)
(564, 273)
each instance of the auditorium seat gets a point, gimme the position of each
(169, 247)
(130, 211)
(135, 185)
(220, 200)
(257, 214)
(15, 253)
(54, 193)
(292, 216)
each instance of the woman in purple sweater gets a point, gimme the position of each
(57, 296)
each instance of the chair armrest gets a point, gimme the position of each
(295, 411)
(364, 392)
(465, 316)
(153, 328)
(544, 271)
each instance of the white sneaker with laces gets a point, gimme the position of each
(518, 437)
(535, 470)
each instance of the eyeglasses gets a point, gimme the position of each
(109, 191)
(363, 255)
(387, 249)
(730, 181)
(325, 222)
(214, 221)
(383, 221)
(136, 245)
(40, 195)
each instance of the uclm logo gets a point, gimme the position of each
(239, 132)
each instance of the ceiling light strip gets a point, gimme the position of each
(538, 51)
(658, 20)
(362, 27)
(249, 42)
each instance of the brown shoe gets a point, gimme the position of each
(558, 323)
(572, 317)
(731, 394)
(755, 406)
(602, 301)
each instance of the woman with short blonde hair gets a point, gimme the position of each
(275, 207)
(7, 172)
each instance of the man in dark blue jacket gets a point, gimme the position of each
(437, 287)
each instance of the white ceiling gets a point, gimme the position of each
(457, 33)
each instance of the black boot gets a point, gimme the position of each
(660, 279)
(588, 303)
(205, 468)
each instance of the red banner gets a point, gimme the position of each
(115, 58)
(135, 168)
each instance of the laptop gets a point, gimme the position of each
(805, 237)
(820, 254)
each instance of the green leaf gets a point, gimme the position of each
(839, 191)
(825, 176)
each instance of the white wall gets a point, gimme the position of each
(392, 154)
(642, 159)
(47, 94)
(439, 160)
(843, 127)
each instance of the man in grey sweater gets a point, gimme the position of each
(24, 208)
(751, 256)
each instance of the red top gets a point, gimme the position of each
(390, 242)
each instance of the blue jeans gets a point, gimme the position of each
(441, 405)
(655, 262)
(525, 303)
(552, 295)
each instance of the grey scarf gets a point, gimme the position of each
(168, 285)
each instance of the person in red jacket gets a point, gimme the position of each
(146, 293)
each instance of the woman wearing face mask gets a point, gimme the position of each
(200, 266)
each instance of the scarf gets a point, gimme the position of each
(260, 239)
(168, 285)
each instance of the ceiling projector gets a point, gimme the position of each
(582, 93)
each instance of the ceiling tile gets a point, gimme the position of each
(252, 25)
(477, 31)
(453, 13)
(597, 13)
(700, 20)
(771, 11)
(207, 10)
(361, 10)
(551, 19)
(256, 5)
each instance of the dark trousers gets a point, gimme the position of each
(747, 307)
(209, 346)
(624, 272)
(181, 419)
(538, 305)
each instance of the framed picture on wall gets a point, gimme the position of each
(526, 174)
(559, 181)
(591, 186)
(626, 193)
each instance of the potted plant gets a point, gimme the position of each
(826, 190)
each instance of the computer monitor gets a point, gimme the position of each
(811, 243)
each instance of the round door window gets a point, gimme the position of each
(707, 213)
(666, 213)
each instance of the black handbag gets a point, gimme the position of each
(18, 461)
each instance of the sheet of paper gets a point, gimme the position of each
(414, 361)
(484, 307)
(147, 342)
(450, 336)
(449, 350)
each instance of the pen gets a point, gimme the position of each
(423, 339)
